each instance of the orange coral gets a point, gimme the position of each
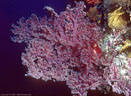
(93, 1)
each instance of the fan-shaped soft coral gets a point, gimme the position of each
(66, 48)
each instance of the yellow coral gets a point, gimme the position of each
(129, 55)
(115, 19)
(127, 45)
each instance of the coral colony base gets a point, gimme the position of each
(68, 47)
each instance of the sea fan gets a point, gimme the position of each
(66, 47)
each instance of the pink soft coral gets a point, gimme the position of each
(65, 48)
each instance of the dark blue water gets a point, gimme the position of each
(12, 79)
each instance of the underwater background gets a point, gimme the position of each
(12, 79)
